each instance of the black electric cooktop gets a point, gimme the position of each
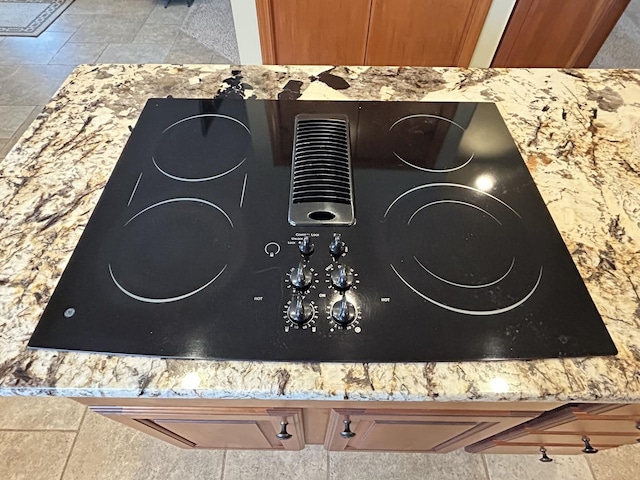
(322, 231)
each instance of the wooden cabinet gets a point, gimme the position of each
(564, 431)
(552, 33)
(370, 32)
(255, 424)
(214, 428)
(424, 32)
(311, 32)
(420, 430)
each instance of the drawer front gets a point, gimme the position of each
(600, 424)
(632, 410)
(545, 438)
(534, 449)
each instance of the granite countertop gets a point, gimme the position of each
(578, 130)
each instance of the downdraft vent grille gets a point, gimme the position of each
(321, 185)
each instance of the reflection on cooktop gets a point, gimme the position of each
(452, 254)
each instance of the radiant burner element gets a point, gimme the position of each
(430, 143)
(172, 266)
(455, 250)
(202, 147)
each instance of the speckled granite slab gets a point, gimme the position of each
(579, 132)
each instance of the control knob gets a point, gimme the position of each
(343, 312)
(301, 277)
(337, 246)
(306, 247)
(299, 311)
(342, 278)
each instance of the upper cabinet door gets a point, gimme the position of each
(313, 32)
(554, 33)
(425, 32)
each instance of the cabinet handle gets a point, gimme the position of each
(545, 458)
(283, 434)
(587, 446)
(347, 433)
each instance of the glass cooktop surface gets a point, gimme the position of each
(446, 251)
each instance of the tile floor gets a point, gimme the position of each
(89, 31)
(51, 439)
(58, 439)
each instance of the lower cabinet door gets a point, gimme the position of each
(217, 428)
(411, 431)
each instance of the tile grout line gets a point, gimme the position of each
(57, 51)
(486, 467)
(173, 44)
(328, 465)
(37, 430)
(73, 444)
(224, 464)
(593, 475)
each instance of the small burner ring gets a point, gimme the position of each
(202, 147)
(415, 142)
(171, 250)
(478, 259)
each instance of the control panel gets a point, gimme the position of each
(314, 304)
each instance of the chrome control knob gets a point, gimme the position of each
(301, 277)
(306, 247)
(343, 312)
(299, 311)
(337, 246)
(342, 278)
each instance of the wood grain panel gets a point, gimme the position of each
(413, 431)
(552, 33)
(425, 32)
(313, 32)
(213, 427)
(245, 434)
(534, 449)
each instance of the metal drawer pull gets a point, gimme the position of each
(587, 446)
(347, 433)
(545, 458)
(283, 434)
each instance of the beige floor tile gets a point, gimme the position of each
(159, 34)
(457, 465)
(11, 117)
(4, 149)
(32, 84)
(77, 53)
(134, 53)
(307, 464)
(37, 413)
(617, 463)
(34, 455)
(109, 29)
(187, 49)
(102, 7)
(67, 23)
(32, 50)
(529, 467)
(174, 14)
(107, 450)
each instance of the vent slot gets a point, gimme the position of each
(321, 184)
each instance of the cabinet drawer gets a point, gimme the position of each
(414, 430)
(632, 410)
(215, 427)
(545, 438)
(534, 449)
(594, 424)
